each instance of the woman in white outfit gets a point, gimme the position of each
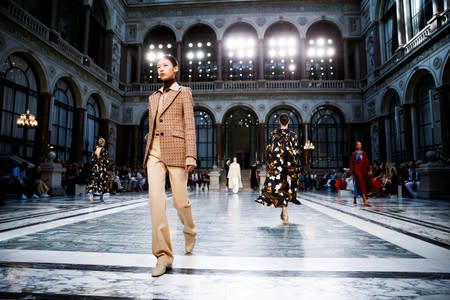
(234, 176)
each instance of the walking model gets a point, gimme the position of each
(281, 183)
(171, 148)
(99, 176)
(360, 166)
(234, 176)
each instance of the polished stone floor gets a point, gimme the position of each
(66, 248)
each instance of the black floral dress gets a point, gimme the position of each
(280, 186)
(99, 175)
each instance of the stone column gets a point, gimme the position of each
(260, 59)
(357, 61)
(219, 137)
(139, 63)
(443, 94)
(104, 129)
(108, 51)
(53, 13)
(78, 134)
(86, 27)
(180, 59)
(134, 145)
(346, 73)
(219, 60)
(408, 132)
(43, 137)
(382, 138)
(400, 24)
(301, 59)
(261, 142)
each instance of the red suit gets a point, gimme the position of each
(360, 166)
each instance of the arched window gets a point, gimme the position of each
(281, 52)
(273, 122)
(421, 12)
(19, 92)
(206, 142)
(241, 136)
(92, 127)
(240, 53)
(428, 117)
(390, 30)
(199, 54)
(327, 134)
(158, 42)
(396, 140)
(324, 52)
(62, 120)
(97, 34)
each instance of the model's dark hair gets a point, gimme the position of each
(284, 119)
(170, 58)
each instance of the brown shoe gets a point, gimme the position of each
(160, 269)
(189, 242)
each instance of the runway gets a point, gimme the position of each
(66, 248)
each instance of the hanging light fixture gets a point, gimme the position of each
(27, 120)
(309, 146)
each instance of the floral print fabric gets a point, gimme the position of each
(281, 183)
(99, 176)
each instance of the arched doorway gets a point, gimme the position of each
(241, 136)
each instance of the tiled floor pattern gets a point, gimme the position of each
(69, 249)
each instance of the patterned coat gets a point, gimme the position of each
(283, 158)
(176, 126)
(99, 176)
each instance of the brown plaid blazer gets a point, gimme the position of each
(176, 126)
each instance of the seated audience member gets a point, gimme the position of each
(141, 180)
(389, 180)
(19, 182)
(42, 188)
(70, 178)
(205, 180)
(413, 182)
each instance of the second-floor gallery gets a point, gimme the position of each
(377, 71)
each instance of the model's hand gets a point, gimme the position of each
(189, 168)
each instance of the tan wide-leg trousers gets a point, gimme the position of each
(156, 172)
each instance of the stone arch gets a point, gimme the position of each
(40, 72)
(389, 95)
(414, 81)
(76, 88)
(241, 139)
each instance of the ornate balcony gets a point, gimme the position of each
(254, 86)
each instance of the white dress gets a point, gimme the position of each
(234, 177)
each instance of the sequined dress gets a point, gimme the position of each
(99, 175)
(281, 183)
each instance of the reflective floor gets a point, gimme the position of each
(66, 248)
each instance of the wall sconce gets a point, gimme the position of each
(308, 145)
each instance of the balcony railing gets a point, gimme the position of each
(418, 39)
(230, 86)
(25, 19)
